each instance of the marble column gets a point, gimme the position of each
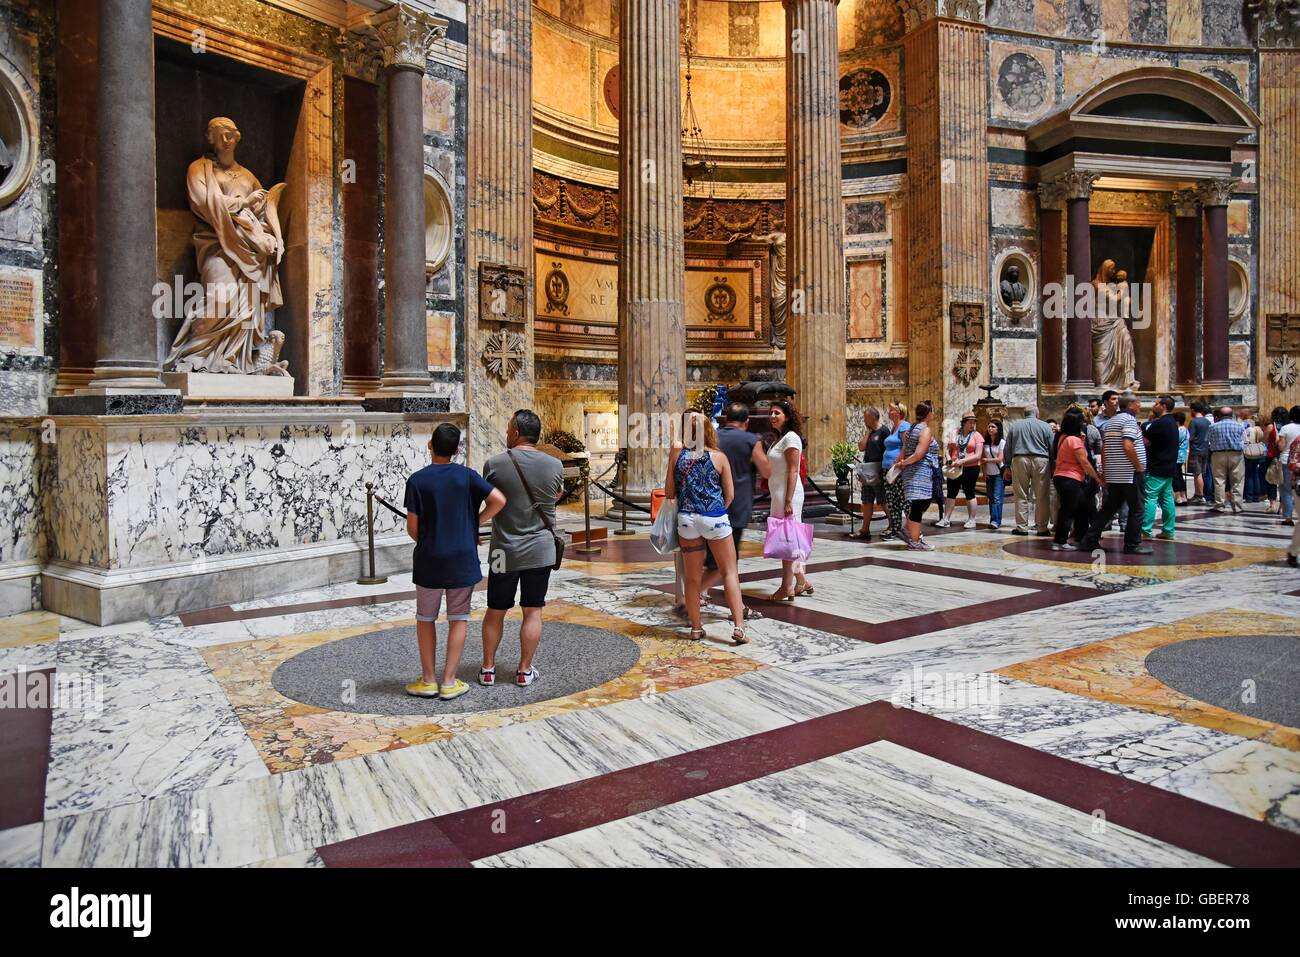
(500, 233)
(814, 224)
(127, 375)
(1187, 212)
(405, 36)
(1077, 185)
(1051, 201)
(652, 246)
(1214, 195)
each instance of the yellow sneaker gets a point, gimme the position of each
(423, 689)
(453, 690)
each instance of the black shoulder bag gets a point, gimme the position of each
(558, 536)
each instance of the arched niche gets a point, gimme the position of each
(17, 141)
(438, 223)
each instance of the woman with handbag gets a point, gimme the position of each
(918, 465)
(786, 488)
(699, 482)
(1255, 451)
(965, 449)
(1286, 437)
(895, 501)
(1076, 482)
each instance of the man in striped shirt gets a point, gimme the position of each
(1123, 467)
(1226, 459)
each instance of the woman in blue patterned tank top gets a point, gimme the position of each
(919, 462)
(699, 481)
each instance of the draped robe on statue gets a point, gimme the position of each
(1113, 357)
(238, 254)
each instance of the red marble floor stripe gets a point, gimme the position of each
(532, 818)
(1041, 595)
(25, 752)
(1212, 832)
(544, 815)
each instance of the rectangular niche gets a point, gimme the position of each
(281, 101)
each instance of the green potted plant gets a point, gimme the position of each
(843, 455)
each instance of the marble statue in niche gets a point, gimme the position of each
(1113, 357)
(776, 244)
(238, 246)
(1012, 289)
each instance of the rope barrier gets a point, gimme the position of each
(392, 508)
(619, 498)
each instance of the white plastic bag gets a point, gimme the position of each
(663, 533)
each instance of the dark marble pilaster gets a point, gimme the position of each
(1214, 196)
(1187, 257)
(1051, 202)
(1077, 185)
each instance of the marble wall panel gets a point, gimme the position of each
(1016, 208)
(141, 495)
(1085, 70)
(22, 536)
(1023, 81)
(1015, 358)
(1239, 360)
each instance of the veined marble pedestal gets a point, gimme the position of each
(142, 516)
(210, 385)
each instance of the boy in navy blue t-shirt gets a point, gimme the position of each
(442, 517)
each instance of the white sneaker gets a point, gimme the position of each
(970, 523)
(942, 523)
(525, 678)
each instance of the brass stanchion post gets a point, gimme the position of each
(372, 578)
(584, 472)
(623, 529)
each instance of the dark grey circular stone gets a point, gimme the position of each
(1213, 670)
(374, 669)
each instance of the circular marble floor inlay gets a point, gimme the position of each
(373, 669)
(1224, 670)
(1162, 553)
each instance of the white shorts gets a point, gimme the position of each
(690, 525)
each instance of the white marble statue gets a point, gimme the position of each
(1113, 359)
(776, 244)
(238, 245)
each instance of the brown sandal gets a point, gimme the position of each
(739, 637)
(805, 590)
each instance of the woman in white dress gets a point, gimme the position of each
(786, 486)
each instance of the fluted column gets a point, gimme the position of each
(652, 250)
(1078, 262)
(1051, 200)
(1187, 212)
(405, 36)
(1215, 195)
(815, 343)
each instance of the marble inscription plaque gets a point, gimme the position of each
(19, 308)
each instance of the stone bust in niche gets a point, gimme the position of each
(238, 245)
(1012, 289)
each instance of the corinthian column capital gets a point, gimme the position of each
(916, 12)
(1186, 203)
(406, 35)
(1051, 195)
(1215, 192)
(1077, 183)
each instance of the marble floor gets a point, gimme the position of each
(986, 704)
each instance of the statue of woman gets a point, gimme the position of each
(1113, 359)
(238, 245)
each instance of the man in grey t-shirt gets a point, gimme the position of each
(523, 548)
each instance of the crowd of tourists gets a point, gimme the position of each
(1102, 464)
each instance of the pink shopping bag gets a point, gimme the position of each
(788, 539)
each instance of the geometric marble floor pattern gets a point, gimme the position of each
(1122, 716)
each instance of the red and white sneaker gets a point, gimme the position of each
(487, 676)
(525, 678)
